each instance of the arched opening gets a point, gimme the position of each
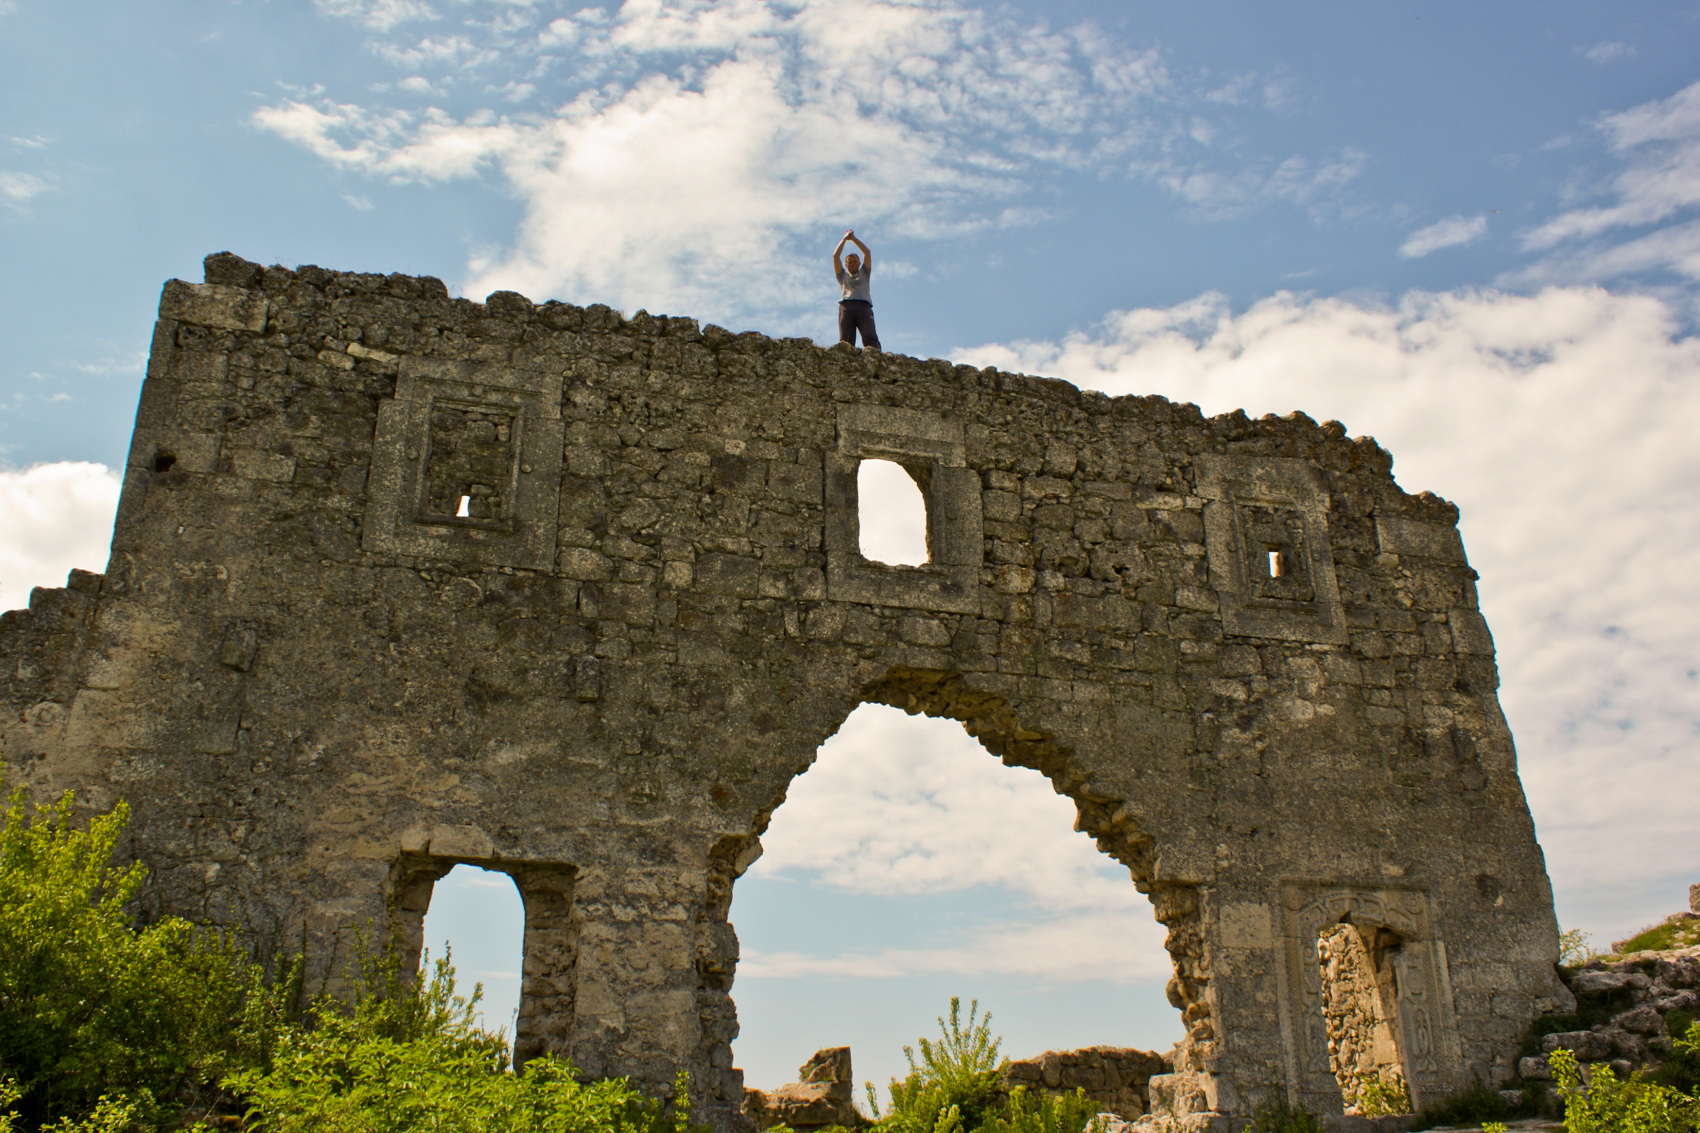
(905, 867)
(1359, 1002)
(475, 916)
(892, 512)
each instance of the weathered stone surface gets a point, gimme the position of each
(1114, 1078)
(1588, 1046)
(400, 580)
(818, 1098)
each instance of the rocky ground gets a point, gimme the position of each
(1628, 1003)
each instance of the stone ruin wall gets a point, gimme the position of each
(1253, 662)
(1116, 1079)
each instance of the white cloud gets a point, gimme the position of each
(1216, 194)
(1109, 947)
(53, 517)
(1446, 233)
(1562, 425)
(358, 203)
(1609, 51)
(379, 15)
(702, 149)
(900, 805)
(16, 189)
(1659, 143)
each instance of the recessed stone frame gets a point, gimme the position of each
(931, 448)
(1266, 531)
(489, 433)
(1428, 1028)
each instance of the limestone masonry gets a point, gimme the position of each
(401, 581)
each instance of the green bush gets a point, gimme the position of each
(1042, 1113)
(1607, 1105)
(955, 1087)
(92, 1007)
(406, 1055)
(1681, 1071)
(1378, 1098)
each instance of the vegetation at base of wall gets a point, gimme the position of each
(94, 1009)
(1473, 1105)
(1377, 1097)
(107, 1027)
(406, 1055)
(1606, 1104)
(955, 1087)
(1274, 1115)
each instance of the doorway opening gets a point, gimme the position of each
(907, 866)
(892, 512)
(1360, 1004)
(475, 918)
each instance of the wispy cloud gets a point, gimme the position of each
(379, 15)
(18, 189)
(1659, 145)
(1560, 422)
(1609, 51)
(1217, 194)
(1448, 233)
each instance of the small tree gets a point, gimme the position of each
(90, 1006)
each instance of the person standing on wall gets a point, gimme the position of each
(856, 308)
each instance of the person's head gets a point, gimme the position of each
(853, 262)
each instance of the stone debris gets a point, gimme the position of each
(821, 1096)
(1116, 1078)
(1637, 991)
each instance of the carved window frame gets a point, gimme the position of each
(933, 448)
(397, 521)
(1234, 487)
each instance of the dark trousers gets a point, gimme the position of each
(857, 315)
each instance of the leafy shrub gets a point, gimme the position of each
(1378, 1098)
(1042, 1113)
(1573, 949)
(90, 1006)
(955, 1083)
(1608, 1105)
(1681, 1071)
(955, 1087)
(407, 1054)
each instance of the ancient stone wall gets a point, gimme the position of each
(401, 581)
(1116, 1079)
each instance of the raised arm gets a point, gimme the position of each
(838, 254)
(867, 256)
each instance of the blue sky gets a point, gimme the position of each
(1471, 230)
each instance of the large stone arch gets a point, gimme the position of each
(997, 724)
(399, 581)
